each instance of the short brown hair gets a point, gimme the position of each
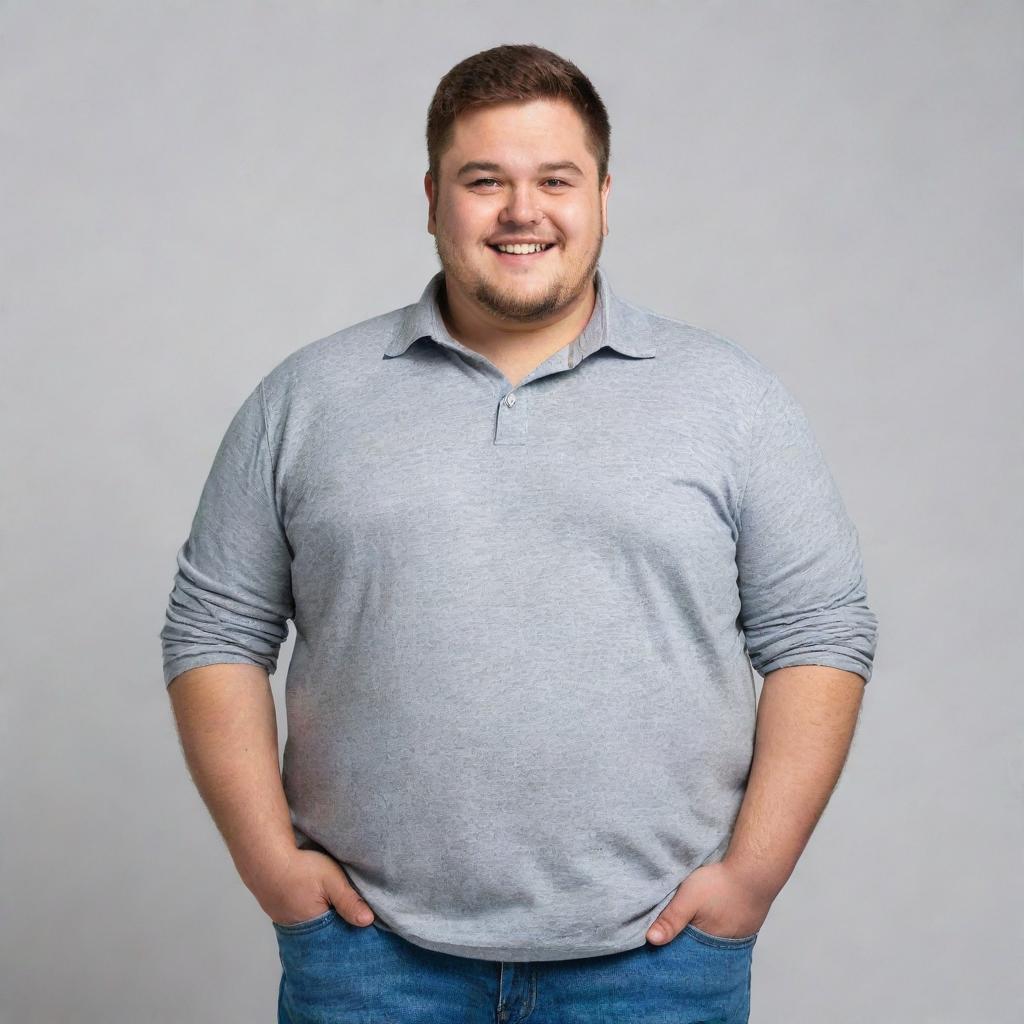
(515, 73)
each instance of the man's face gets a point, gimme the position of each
(538, 182)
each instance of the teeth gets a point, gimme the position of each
(520, 250)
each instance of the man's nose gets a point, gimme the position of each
(521, 208)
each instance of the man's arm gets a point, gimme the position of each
(228, 729)
(806, 719)
(227, 616)
(810, 633)
(805, 723)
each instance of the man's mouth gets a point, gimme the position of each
(521, 253)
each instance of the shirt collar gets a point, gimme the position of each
(613, 323)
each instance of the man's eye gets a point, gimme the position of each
(494, 181)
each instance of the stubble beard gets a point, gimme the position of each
(508, 304)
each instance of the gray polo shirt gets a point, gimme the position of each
(520, 704)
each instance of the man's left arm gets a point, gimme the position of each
(810, 633)
(805, 723)
(806, 719)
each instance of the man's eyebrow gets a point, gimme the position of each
(484, 165)
(560, 165)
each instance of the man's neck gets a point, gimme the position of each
(515, 349)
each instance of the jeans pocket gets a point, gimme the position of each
(311, 924)
(720, 941)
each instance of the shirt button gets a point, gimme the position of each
(510, 399)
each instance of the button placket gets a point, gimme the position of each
(511, 425)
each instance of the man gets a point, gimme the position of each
(533, 538)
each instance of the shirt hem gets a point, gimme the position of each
(514, 954)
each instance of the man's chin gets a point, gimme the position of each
(522, 307)
(527, 297)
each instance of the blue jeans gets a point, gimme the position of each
(334, 972)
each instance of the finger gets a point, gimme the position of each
(669, 923)
(347, 902)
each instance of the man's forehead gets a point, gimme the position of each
(535, 109)
(547, 153)
(520, 138)
(530, 118)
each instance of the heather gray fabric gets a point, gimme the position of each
(520, 706)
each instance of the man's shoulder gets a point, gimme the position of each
(688, 349)
(349, 353)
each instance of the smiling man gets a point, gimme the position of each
(518, 234)
(535, 540)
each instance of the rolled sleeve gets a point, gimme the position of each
(232, 598)
(803, 594)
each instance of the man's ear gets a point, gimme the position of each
(605, 188)
(428, 187)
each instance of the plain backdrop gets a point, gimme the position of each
(191, 191)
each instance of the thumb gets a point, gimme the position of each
(352, 907)
(673, 919)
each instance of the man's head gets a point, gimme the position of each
(518, 146)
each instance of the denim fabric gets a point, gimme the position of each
(337, 973)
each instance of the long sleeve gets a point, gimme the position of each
(232, 598)
(803, 594)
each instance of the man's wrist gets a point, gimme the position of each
(260, 867)
(763, 884)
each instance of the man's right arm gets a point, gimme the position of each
(228, 729)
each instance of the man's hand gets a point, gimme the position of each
(717, 899)
(228, 728)
(305, 884)
(805, 722)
